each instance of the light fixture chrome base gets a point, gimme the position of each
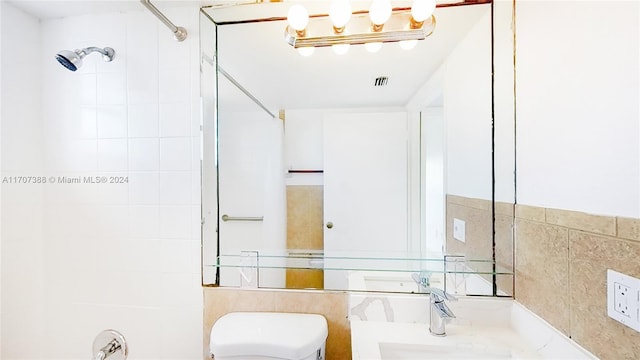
(111, 345)
(319, 31)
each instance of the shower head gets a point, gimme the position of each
(69, 59)
(72, 60)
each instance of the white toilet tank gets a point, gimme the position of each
(269, 335)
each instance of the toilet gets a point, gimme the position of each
(269, 336)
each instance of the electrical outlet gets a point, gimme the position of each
(458, 229)
(623, 299)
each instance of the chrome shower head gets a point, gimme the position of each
(69, 59)
(72, 60)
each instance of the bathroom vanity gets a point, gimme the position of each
(484, 328)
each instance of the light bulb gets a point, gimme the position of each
(380, 11)
(340, 12)
(298, 17)
(408, 44)
(373, 47)
(306, 50)
(421, 10)
(340, 49)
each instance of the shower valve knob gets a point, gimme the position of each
(111, 345)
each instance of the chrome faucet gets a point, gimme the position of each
(423, 280)
(439, 311)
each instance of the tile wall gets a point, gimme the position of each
(305, 231)
(22, 206)
(562, 259)
(117, 255)
(477, 215)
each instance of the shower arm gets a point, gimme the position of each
(91, 49)
(179, 32)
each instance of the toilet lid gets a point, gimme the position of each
(282, 335)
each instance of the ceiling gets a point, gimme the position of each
(257, 57)
(50, 9)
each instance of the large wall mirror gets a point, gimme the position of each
(359, 171)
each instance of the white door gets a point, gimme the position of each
(365, 190)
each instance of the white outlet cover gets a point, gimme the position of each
(458, 229)
(632, 319)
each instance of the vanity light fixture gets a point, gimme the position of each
(341, 27)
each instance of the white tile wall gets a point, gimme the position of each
(144, 154)
(123, 256)
(144, 188)
(22, 258)
(175, 154)
(143, 119)
(111, 89)
(175, 119)
(112, 120)
(175, 187)
(88, 89)
(112, 155)
(144, 222)
(87, 125)
(175, 222)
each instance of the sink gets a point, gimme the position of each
(399, 351)
(485, 328)
(412, 341)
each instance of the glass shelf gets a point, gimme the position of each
(366, 272)
(317, 260)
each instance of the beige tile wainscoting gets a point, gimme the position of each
(305, 232)
(332, 304)
(562, 259)
(477, 215)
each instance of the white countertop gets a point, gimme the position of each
(397, 327)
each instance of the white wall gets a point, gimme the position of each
(467, 114)
(304, 145)
(122, 256)
(22, 271)
(578, 134)
(303, 137)
(433, 154)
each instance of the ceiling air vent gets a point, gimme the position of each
(381, 81)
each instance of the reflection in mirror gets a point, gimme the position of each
(326, 180)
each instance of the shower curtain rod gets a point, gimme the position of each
(245, 91)
(179, 32)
